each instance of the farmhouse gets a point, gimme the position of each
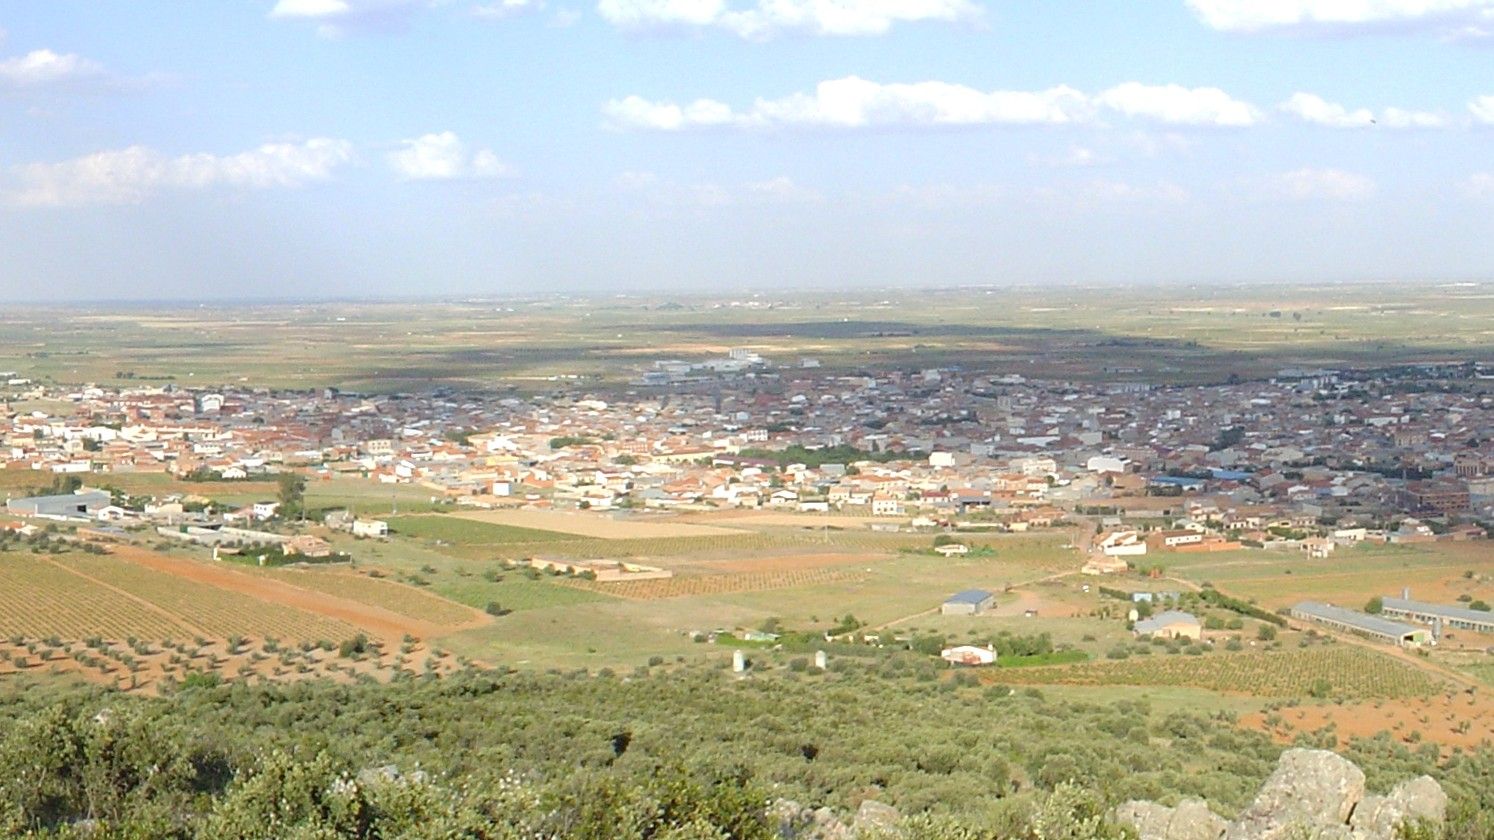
(1421, 612)
(968, 655)
(308, 545)
(1374, 627)
(375, 528)
(969, 602)
(1161, 540)
(67, 506)
(1170, 624)
(1122, 543)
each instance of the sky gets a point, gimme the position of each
(271, 149)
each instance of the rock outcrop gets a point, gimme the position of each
(792, 820)
(1312, 795)
(1190, 820)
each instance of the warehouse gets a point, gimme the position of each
(1363, 624)
(969, 602)
(1421, 612)
(66, 506)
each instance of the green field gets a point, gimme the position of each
(1166, 334)
(467, 533)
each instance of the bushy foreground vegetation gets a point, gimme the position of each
(688, 755)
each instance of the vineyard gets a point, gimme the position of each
(597, 547)
(688, 585)
(385, 594)
(40, 598)
(1343, 670)
(207, 609)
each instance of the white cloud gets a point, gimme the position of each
(854, 102)
(506, 8)
(310, 8)
(443, 156)
(1322, 184)
(128, 176)
(1177, 105)
(637, 112)
(1482, 109)
(1402, 118)
(1472, 19)
(335, 18)
(769, 18)
(41, 69)
(1317, 110)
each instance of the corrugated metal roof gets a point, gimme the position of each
(1445, 611)
(1363, 621)
(969, 596)
(1163, 619)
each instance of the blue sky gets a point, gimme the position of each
(324, 148)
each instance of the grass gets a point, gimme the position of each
(1058, 657)
(468, 533)
(390, 595)
(1351, 577)
(514, 592)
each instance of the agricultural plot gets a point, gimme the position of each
(515, 592)
(1345, 670)
(462, 531)
(1454, 721)
(647, 547)
(385, 594)
(39, 598)
(213, 611)
(689, 585)
(148, 666)
(369, 498)
(598, 526)
(1440, 573)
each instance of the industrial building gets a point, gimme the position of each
(1438, 615)
(66, 506)
(969, 602)
(1363, 624)
(1170, 624)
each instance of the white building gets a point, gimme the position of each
(968, 655)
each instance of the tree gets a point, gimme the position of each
(1375, 606)
(292, 494)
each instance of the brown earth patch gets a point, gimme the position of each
(375, 620)
(1463, 719)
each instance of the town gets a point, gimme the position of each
(1306, 461)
